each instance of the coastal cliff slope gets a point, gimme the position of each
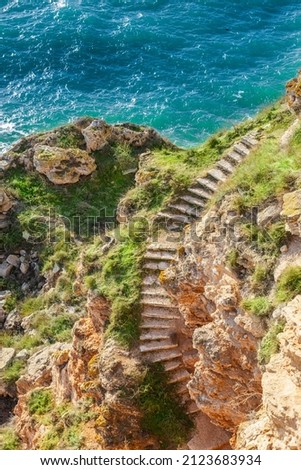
(150, 295)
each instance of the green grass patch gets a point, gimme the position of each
(19, 342)
(9, 440)
(267, 240)
(65, 424)
(93, 197)
(32, 305)
(232, 259)
(56, 328)
(40, 402)
(119, 281)
(163, 416)
(261, 277)
(73, 438)
(124, 157)
(270, 342)
(13, 372)
(12, 240)
(289, 284)
(265, 174)
(258, 306)
(10, 303)
(50, 441)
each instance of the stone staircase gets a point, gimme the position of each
(159, 339)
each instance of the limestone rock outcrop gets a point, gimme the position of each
(6, 357)
(70, 371)
(40, 371)
(120, 422)
(5, 202)
(291, 211)
(277, 424)
(226, 383)
(101, 136)
(39, 368)
(63, 166)
(5, 206)
(293, 94)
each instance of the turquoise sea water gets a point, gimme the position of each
(184, 67)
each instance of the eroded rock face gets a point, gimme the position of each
(83, 361)
(277, 424)
(40, 373)
(121, 419)
(5, 206)
(101, 136)
(5, 202)
(293, 94)
(6, 357)
(226, 383)
(63, 166)
(39, 368)
(291, 210)
(70, 371)
(268, 215)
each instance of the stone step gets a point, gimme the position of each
(205, 195)
(154, 335)
(160, 266)
(185, 398)
(225, 166)
(182, 389)
(234, 157)
(160, 312)
(154, 290)
(178, 376)
(249, 141)
(174, 364)
(157, 301)
(217, 175)
(185, 209)
(151, 280)
(182, 219)
(192, 408)
(241, 149)
(174, 227)
(193, 201)
(190, 356)
(207, 184)
(163, 356)
(157, 323)
(163, 246)
(159, 345)
(159, 255)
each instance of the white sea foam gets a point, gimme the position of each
(6, 127)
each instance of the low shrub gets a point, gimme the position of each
(258, 306)
(32, 305)
(9, 440)
(289, 284)
(232, 258)
(40, 402)
(270, 342)
(260, 277)
(13, 372)
(57, 328)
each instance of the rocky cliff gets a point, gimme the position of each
(150, 295)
